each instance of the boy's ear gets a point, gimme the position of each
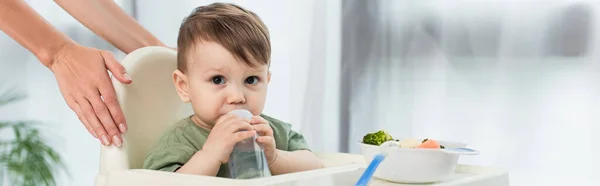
(181, 85)
(269, 77)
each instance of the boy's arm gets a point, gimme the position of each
(294, 161)
(109, 21)
(202, 163)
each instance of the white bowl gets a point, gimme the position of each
(413, 165)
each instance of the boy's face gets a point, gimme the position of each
(216, 83)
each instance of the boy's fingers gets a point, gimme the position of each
(239, 136)
(267, 141)
(263, 129)
(258, 120)
(224, 119)
(238, 125)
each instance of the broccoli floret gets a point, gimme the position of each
(377, 138)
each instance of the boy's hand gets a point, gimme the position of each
(266, 137)
(225, 134)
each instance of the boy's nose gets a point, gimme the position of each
(235, 95)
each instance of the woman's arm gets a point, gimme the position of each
(81, 72)
(20, 22)
(110, 22)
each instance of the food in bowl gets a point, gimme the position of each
(415, 143)
(411, 160)
(381, 136)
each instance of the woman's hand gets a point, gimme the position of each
(85, 84)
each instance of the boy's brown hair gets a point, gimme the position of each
(238, 30)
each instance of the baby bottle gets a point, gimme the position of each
(247, 160)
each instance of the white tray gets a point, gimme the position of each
(342, 169)
(464, 175)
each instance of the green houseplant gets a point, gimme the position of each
(25, 159)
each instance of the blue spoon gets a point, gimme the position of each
(366, 177)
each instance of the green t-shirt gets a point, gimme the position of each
(181, 141)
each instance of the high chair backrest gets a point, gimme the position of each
(150, 104)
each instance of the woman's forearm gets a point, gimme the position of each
(23, 24)
(109, 21)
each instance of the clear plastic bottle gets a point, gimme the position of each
(247, 160)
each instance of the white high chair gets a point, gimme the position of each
(150, 104)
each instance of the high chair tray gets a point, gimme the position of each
(464, 175)
(160, 178)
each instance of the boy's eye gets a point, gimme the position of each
(251, 80)
(218, 80)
